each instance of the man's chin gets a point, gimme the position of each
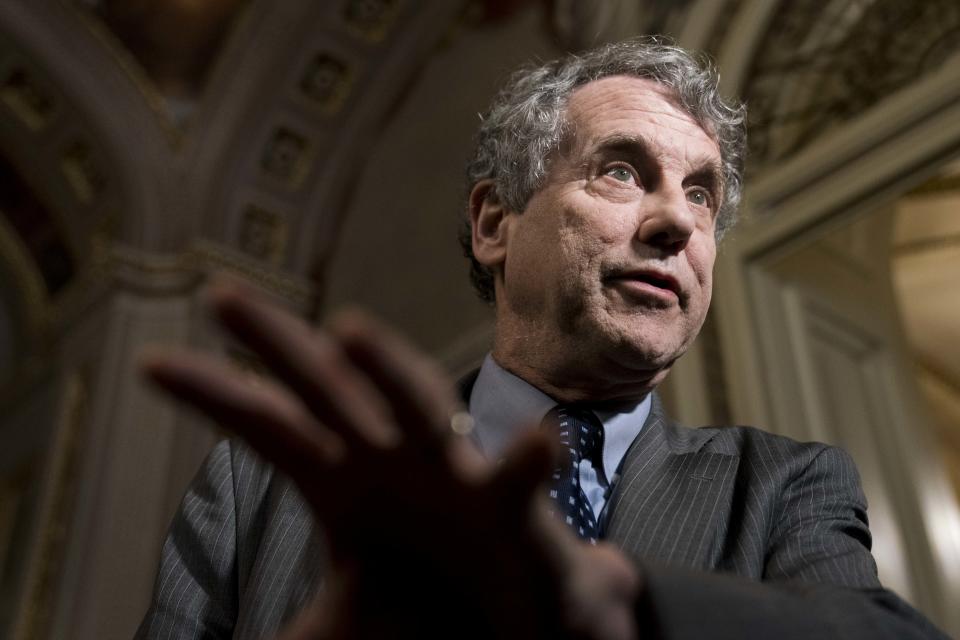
(642, 354)
(630, 350)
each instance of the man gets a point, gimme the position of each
(599, 188)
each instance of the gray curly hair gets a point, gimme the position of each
(526, 124)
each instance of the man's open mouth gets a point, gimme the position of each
(647, 280)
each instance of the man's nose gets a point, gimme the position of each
(666, 220)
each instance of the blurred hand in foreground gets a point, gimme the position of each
(426, 537)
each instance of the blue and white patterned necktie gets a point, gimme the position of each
(582, 437)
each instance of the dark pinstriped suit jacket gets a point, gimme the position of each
(739, 533)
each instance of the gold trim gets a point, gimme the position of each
(155, 101)
(213, 257)
(26, 279)
(286, 158)
(83, 174)
(164, 273)
(52, 185)
(377, 29)
(33, 619)
(263, 234)
(937, 186)
(341, 87)
(29, 109)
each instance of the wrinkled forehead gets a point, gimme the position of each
(627, 105)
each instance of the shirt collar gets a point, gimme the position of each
(502, 405)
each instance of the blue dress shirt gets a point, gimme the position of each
(502, 405)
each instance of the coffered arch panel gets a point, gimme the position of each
(91, 140)
(276, 154)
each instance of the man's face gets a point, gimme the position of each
(611, 263)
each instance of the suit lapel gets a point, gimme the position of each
(672, 502)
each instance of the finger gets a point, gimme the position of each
(470, 464)
(263, 414)
(420, 395)
(311, 364)
(312, 623)
(528, 463)
(608, 587)
(620, 578)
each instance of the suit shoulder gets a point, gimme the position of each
(781, 468)
(233, 472)
(753, 444)
(246, 465)
(255, 485)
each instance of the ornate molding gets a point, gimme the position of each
(121, 267)
(123, 59)
(27, 285)
(54, 155)
(103, 145)
(819, 66)
(30, 102)
(372, 20)
(279, 171)
(63, 134)
(326, 82)
(212, 258)
(60, 481)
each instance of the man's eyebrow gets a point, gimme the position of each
(706, 168)
(634, 145)
(707, 172)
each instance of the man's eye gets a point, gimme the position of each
(699, 197)
(621, 174)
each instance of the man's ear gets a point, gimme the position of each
(490, 222)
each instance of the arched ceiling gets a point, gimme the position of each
(234, 130)
(229, 131)
(819, 64)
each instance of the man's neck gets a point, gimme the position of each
(580, 382)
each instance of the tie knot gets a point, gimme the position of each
(580, 431)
